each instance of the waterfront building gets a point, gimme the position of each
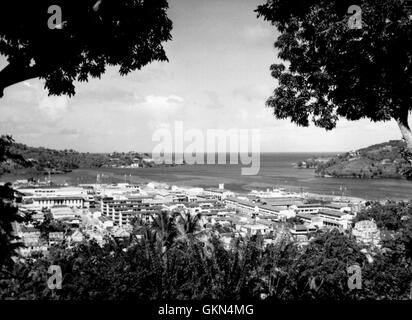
(281, 201)
(256, 209)
(218, 193)
(274, 193)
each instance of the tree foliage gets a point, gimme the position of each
(8, 210)
(93, 35)
(389, 216)
(164, 265)
(334, 70)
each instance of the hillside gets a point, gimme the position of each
(382, 160)
(39, 159)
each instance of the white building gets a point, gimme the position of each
(366, 232)
(256, 209)
(68, 201)
(335, 219)
(31, 239)
(62, 212)
(311, 208)
(274, 193)
(219, 194)
(253, 229)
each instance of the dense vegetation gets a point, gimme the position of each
(311, 163)
(172, 259)
(390, 216)
(8, 211)
(90, 36)
(384, 160)
(57, 161)
(338, 64)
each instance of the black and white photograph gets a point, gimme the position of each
(205, 158)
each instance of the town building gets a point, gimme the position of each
(31, 239)
(335, 219)
(63, 212)
(310, 219)
(254, 229)
(311, 208)
(256, 208)
(219, 193)
(366, 232)
(122, 210)
(56, 237)
(68, 201)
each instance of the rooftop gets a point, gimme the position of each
(330, 212)
(217, 190)
(59, 198)
(305, 215)
(301, 227)
(310, 205)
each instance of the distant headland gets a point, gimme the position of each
(382, 160)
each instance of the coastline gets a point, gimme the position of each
(275, 172)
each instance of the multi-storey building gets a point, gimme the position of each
(311, 208)
(310, 219)
(256, 209)
(122, 210)
(51, 197)
(335, 219)
(68, 201)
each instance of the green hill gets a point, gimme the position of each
(382, 160)
(39, 159)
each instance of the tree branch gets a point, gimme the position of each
(14, 73)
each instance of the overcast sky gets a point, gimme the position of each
(217, 78)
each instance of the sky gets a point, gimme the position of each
(217, 77)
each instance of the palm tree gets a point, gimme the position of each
(164, 228)
(187, 226)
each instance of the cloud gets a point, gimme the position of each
(69, 132)
(259, 33)
(213, 100)
(254, 92)
(155, 109)
(160, 104)
(53, 107)
(163, 102)
(105, 92)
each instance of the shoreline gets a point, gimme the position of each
(207, 177)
